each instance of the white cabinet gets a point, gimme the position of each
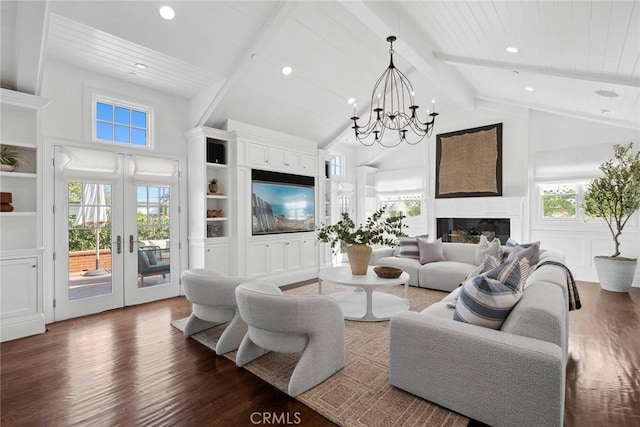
(258, 260)
(21, 311)
(217, 258)
(277, 256)
(309, 164)
(309, 253)
(280, 159)
(293, 252)
(258, 154)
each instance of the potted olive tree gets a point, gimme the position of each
(377, 230)
(615, 196)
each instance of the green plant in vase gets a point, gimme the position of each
(378, 229)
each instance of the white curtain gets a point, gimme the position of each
(81, 164)
(571, 163)
(402, 180)
(147, 170)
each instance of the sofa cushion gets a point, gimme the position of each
(489, 262)
(408, 248)
(444, 275)
(541, 313)
(487, 299)
(430, 252)
(531, 252)
(153, 260)
(460, 252)
(484, 248)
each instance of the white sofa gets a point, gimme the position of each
(513, 376)
(441, 275)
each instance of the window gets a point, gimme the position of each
(559, 200)
(336, 166)
(344, 203)
(121, 123)
(410, 205)
(153, 212)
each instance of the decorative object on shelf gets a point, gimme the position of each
(214, 213)
(614, 197)
(391, 93)
(10, 158)
(214, 230)
(387, 272)
(5, 202)
(213, 186)
(469, 162)
(379, 229)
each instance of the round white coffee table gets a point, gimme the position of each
(364, 303)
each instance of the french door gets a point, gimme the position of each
(116, 231)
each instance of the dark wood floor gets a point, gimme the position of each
(130, 367)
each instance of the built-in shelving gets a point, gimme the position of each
(22, 311)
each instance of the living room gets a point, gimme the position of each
(215, 74)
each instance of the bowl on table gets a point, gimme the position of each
(387, 272)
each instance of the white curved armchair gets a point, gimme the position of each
(312, 325)
(213, 300)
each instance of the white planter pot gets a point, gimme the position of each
(615, 275)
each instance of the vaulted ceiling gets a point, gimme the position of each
(226, 57)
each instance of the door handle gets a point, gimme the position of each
(118, 244)
(131, 242)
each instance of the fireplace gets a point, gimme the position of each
(469, 230)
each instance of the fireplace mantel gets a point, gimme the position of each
(482, 207)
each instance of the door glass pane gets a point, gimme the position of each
(154, 252)
(89, 239)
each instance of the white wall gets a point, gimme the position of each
(544, 147)
(570, 149)
(514, 148)
(67, 120)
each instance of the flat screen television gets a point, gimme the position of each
(282, 203)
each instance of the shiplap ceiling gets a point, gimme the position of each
(226, 57)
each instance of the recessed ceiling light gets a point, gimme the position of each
(132, 74)
(516, 72)
(605, 112)
(167, 13)
(512, 49)
(287, 70)
(528, 88)
(351, 101)
(141, 65)
(607, 93)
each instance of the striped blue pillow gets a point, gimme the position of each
(408, 248)
(486, 300)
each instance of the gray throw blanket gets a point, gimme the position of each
(574, 298)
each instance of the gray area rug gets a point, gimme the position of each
(359, 394)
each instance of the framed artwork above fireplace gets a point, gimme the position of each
(469, 162)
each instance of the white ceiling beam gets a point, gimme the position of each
(273, 25)
(413, 47)
(494, 104)
(31, 33)
(534, 69)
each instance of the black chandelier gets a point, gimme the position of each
(390, 112)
